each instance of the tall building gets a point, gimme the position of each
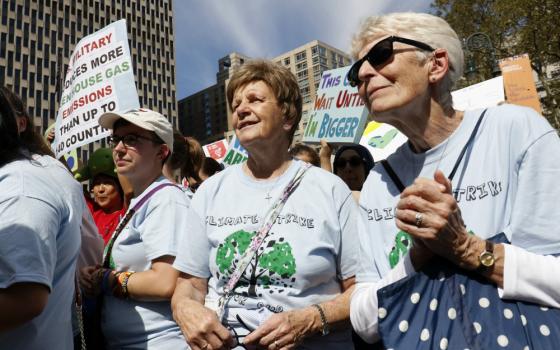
(37, 38)
(205, 114)
(308, 62)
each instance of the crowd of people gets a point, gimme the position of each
(450, 242)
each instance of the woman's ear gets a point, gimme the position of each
(164, 151)
(439, 65)
(22, 124)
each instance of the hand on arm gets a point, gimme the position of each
(442, 229)
(286, 330)
(200, 325)
(20, 303)
(325, 156)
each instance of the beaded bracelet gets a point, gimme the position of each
(121, 290)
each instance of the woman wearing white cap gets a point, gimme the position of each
(137, 279)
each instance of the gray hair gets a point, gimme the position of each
(423, 27)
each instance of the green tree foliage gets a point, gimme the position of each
(515, 27)
(234, 244)
(273, 262)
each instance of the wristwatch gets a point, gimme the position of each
(487, 258)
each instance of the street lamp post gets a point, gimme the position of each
(480, 42)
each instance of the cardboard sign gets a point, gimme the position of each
(99, 79)
(519, 83)
(488, 93)
(236, 153)
(216, 150)
(381, 139)
(338, 115)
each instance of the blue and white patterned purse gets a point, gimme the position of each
(445, 307)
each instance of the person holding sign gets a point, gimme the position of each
(41, 209)
(260, 266)
(472, 193)
(137, 279)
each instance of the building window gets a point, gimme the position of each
(287, 61)
(300, 56)
(300, 66)
(302, 74)
(322, 51)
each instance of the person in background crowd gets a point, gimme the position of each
(305, 153)
(296, 287)
(209, 167)
(108, 205)
(137, 279)
(191, 171)
(41, 209)
(407, 65)
(352, 163)
(178, 159)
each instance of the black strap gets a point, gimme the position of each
(389, 170)
(126, 219)
(398, 181)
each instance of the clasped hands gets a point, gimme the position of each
(429, 213)
(284, 330)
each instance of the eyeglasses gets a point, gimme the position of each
(354, 162)
(130, 140)
(379, 54)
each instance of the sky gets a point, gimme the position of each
(207, 30)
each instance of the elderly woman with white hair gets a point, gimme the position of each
(459, 221)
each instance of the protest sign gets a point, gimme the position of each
(236, 153)
(482, 95)
(381, 139)
(216, 150)
(338, 115)
(99, 79)
(519, 83)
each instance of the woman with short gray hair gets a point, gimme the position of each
(472, 193)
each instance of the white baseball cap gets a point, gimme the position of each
(144, 118)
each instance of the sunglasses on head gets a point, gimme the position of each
(380, 53)
(354, 162)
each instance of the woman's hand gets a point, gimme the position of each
(325, 156)
(201, 326)
(88, 280)
(285, 330)
(429, 213)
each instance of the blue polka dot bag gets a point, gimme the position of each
(444, 307)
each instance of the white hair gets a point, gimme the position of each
(422, 27)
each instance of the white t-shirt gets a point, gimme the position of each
(507, 182)
(154, 231)
(41, 208)
(311, 247)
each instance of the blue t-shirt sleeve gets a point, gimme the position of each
(534, 219)
(28, 250)
(164, 223)
(194, 250)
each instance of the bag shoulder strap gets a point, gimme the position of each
(389, 170)
(124, 221)
(393, 175)
(269, 220)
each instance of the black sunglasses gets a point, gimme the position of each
(354, 162)
(130, 140)
(379, 54)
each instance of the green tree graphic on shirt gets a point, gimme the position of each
(403, 242)
(273, 264)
